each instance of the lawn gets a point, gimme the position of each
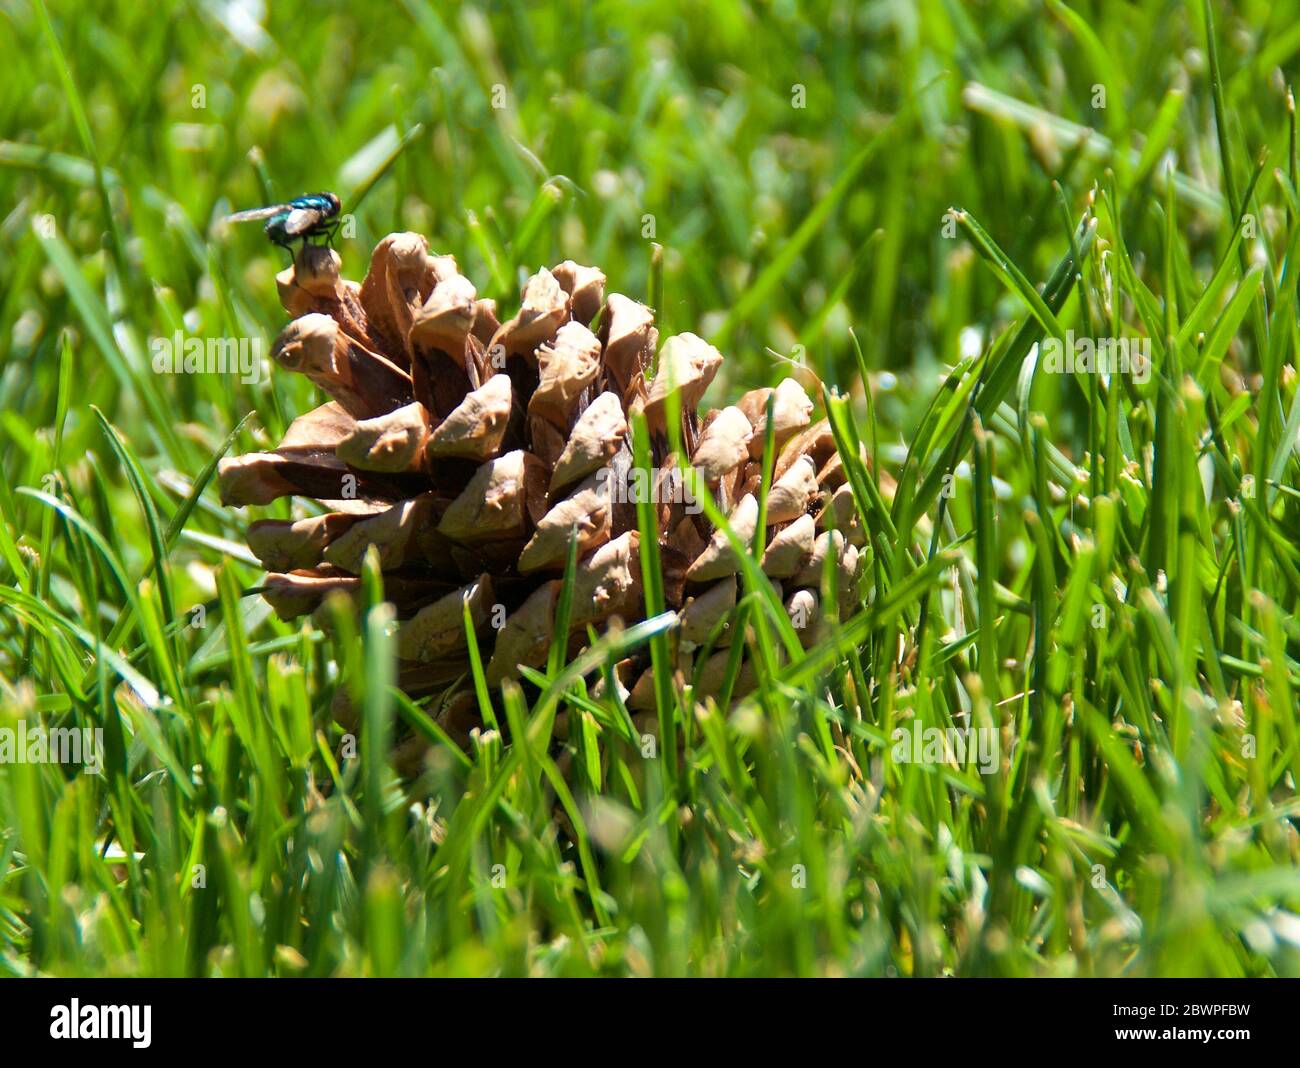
(919, 211)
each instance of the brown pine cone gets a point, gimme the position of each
(469, 451)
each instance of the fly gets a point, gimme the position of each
(305, 217)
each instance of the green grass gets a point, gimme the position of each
(1107, 573)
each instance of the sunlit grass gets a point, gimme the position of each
(1104, 572)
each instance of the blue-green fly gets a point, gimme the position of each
(304, 217)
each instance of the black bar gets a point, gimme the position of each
(337, 1017)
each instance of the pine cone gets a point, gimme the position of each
(469, 451)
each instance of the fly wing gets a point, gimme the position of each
(257, 213)
(301, 220)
